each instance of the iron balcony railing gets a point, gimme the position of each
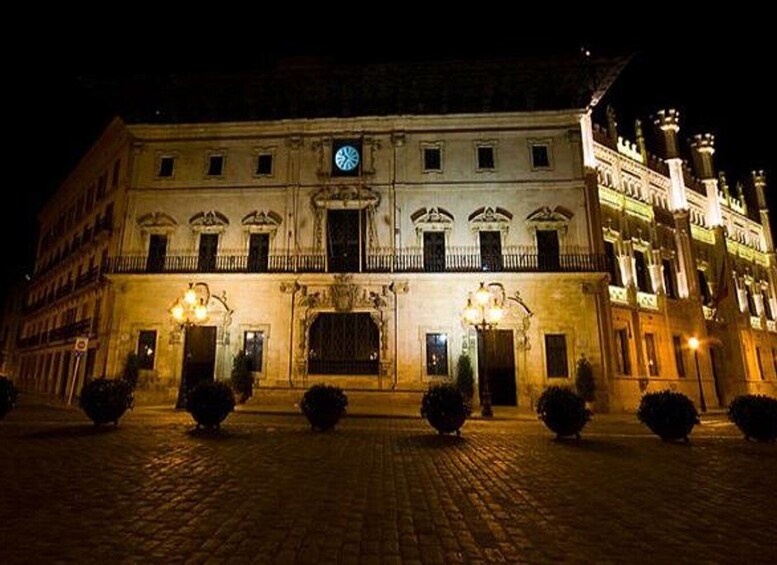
(66, 332)
(408, 260)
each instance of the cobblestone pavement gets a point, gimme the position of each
(377, 490)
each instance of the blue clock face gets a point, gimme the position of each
(347, 158)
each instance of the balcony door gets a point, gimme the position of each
(258, 252)
(157, 251)
(548, 256)
(345, 240)
(434, 251)
(490, 250)
(206, 261)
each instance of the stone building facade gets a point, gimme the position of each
(344, 249)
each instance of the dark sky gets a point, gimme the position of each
(716, 75)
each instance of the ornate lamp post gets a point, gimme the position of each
(189, 310)
(484, 310)
(694, 343)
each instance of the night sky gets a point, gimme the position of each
(717, 77)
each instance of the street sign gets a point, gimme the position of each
(81, 344)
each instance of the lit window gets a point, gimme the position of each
(436, 354)
(253, 347)
(146, 349)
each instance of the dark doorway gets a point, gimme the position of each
(715, 360)
(199, 359)
(547, 250)
(209, 244)
(496, 362)
(344, 344)
(258, 252)
(490, 250)
(157, 251)
(434, 251)
(344, 247)
(65, 373)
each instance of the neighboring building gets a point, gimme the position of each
(341, 229)
(9, 329)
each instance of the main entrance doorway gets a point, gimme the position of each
(496, 362)
(344, 344)
(199, 359)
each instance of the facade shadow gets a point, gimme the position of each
(83, 430)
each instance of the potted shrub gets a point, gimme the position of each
(106, 400)
(7, 396)
(584, 380)
(465, 378)
(755, 415)
(669, 415)
(323, 405)
(242, 377)
(210, 403)
(563, 412)
(131, 370)
(445, 408)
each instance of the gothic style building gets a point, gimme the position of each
(334, 223)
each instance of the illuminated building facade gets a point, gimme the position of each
(338, 232)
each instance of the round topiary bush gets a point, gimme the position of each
(755, 415)
(445, 408)
(210, 403)
(7, 396)
(584, 380)
(465, 378)
(669, 415)
(562, 411)
(106, 400)
(323, 405)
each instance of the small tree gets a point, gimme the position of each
(465, 379)
(242, 377)
(131, 370)
(584, 380)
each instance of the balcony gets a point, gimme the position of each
(86, 278)
(647, 300)
(408, 260)
(70, 330)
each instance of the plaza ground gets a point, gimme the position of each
(377, 490)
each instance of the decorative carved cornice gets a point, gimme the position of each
(209, 222)
(345, 197)
(262, 222)
(157, 222)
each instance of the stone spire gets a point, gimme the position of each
(723, 183)
(612, 126)
(702, 149)
(640, 140)
(668, 124)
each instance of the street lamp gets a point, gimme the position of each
(694, 343)
(484, 310)
(190, 310)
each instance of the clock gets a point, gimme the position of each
(347, 158)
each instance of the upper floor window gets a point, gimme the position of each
(264, 164)
(436, 354)
(643, 277)
(540, 155)
(612, 264)
(166, 167)
(432, 159)
(652, 356)
(216, 165)
(486, 161)
(669, 279)
(115, 175)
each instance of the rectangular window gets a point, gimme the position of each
(612, 264)
(102, 182)
(206, 261)
(115, 176)
(652, 358)
(556, 355)
(622, 351)
(258, 252)
(704, 289)
(767, 306)
(146, 349)
(669, 285)
(264, 164)
(157, 251)
(486, 157)
(540, 156)
(215, 165)
(643, 277)
(166, 167)
(760, 364)
(490, 250)
(548, 257)
(253, 347)
(750, 301)
(432, 159)
(677, 343)
(437, 354)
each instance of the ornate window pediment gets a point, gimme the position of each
(432, 219)
(209, 222)
(345, 197)
(490, 218)
(157, 223)
(262, 222)
(546, 219)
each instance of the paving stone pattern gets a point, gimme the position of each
(377, 490)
